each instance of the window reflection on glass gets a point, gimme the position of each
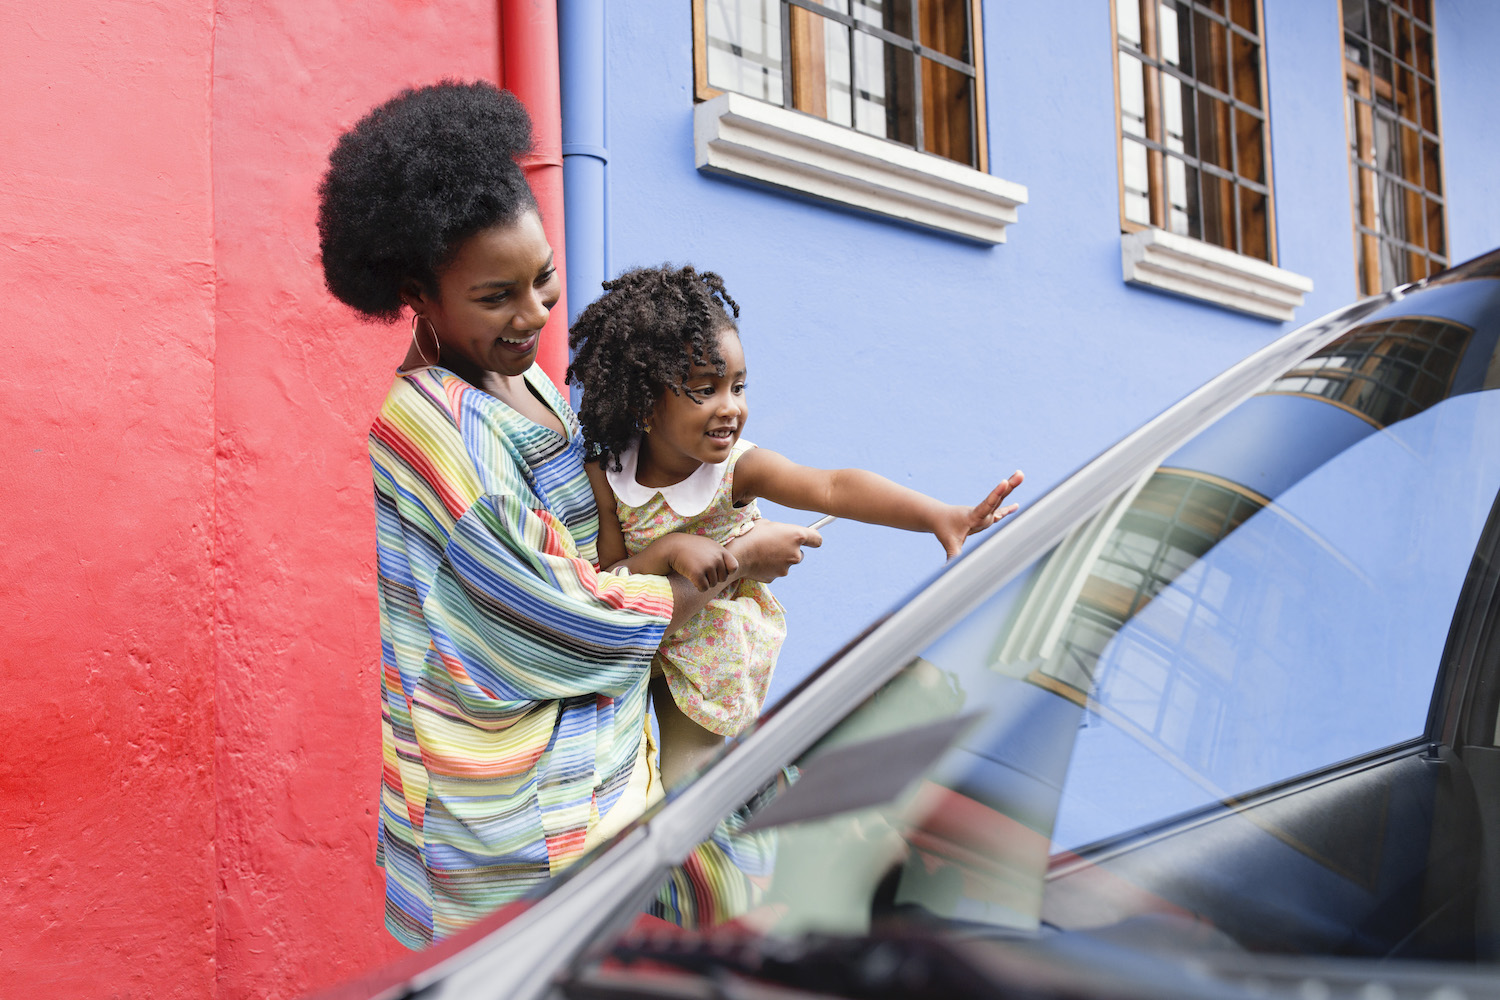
(1199, 68)
(1384, 372)
(1394, 146)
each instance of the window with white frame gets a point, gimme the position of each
(908, 71)
(1193, 122)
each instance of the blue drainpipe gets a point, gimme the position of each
(580, 43)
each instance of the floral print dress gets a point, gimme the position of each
(718, 665)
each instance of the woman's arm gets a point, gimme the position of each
(866, 496)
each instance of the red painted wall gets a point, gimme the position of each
(191, 650)
(297, 381)
(106, 447)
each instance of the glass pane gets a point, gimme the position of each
(1392, 265)
(892, 15)
(1392, 210)
(1246, 71)
(1183, 216)
(1411, 155)
(1243, 13)
(1128, 21)
(1177, 115)
(1406, 95)
(1401, 25)
(1437, 240)
(1422, 10)
(1387, 151)
(1365, 194)
(1211, 53)
(1384, 71)
(1432, 172)
(1218, 211)
(1362, 244)
(1428, 99)
(820, 47)
(1424, 50)
(1380, 25)
(1255, 225)
(1213, 132)
(1174, 29)
(945, 27)
(1355, 21)
(883, 90)
(1415, 217)
(947, 112)
(1356, 51)
(1137, 183)
(744, 47)
(1251, 162)
(1132, 95)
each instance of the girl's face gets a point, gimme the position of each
(492, 300)
(702, 423)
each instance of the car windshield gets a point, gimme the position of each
(1253, 695)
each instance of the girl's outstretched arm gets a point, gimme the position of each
(865, 496)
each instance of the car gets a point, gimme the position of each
(1219, 715)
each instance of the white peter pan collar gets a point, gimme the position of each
(688, 498)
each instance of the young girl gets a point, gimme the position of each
(664, 407)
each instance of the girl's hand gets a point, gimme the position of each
(701, 561)
(771, 548)
(958, 522)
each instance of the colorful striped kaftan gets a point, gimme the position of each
(513, 672)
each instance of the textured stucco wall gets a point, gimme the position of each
(297, 380)
(1468, 33)
(945, 365)
(106, 271)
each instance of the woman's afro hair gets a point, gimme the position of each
(643, 337)
(411, 181)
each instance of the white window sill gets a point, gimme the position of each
(1155, 258)
(741, 137)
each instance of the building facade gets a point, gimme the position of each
(967, 237)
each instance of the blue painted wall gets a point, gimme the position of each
(946, 365)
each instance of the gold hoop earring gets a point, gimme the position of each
(415, 320)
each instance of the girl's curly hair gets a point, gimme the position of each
(642, 337)
(411, 181)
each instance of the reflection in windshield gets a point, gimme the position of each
(1269, 602)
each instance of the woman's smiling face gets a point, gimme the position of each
(493, 299)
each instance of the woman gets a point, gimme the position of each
(514, 672)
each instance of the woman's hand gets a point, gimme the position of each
(770, 549)
(958, 522)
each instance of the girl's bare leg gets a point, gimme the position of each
(685, 745)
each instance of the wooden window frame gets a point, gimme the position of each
(801, 91)
(1156, 155)
(1362, 91)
